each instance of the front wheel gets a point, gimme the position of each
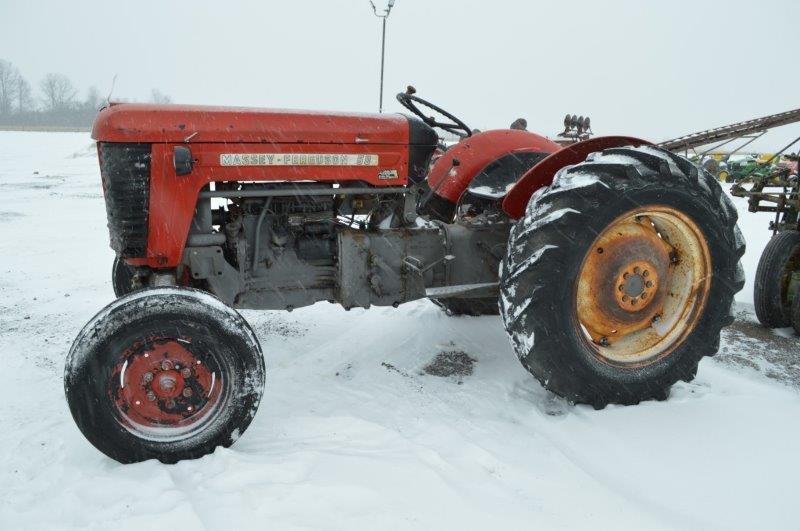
(620, 276)
(165, 373)
(124, 278)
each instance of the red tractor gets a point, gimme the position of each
(613, 263)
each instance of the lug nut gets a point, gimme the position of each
(637, 270)
(186, 372)
(603, 341)
(649, 283)
(166, 365)
(624, 298)
(634, 301)
(151, 396)
(148, 377)
(625, 274)
(187, 392)
(643, 295)
(170, 404)
(646, 273)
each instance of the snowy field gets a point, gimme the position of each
(352, 432)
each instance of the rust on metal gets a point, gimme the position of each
(643, 284)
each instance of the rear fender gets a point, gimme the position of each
(452, 173)
(542, 174)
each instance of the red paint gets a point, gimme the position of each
(136, 122)
(170, 407)
(475, 152)
(236, 130)
(542, 174)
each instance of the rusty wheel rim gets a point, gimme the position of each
(643, 285)
(162, 390)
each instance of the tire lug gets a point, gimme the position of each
(148, 377)
(166, 365)
(151, 396)
(170, 404)
(187, 392)
(186, 372)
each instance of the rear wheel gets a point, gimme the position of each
(621, 275)
(164, 373)
(472, 306)
(779, 260)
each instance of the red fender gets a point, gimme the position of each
(475, 152)
(542, 174)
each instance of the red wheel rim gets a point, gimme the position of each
(162, 389)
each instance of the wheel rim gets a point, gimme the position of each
(162, 390)
(643, 285)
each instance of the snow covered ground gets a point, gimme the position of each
(353, 433)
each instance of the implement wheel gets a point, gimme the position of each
(621, 275)
(780, 258)
(164, 373)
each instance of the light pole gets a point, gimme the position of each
(383, 16)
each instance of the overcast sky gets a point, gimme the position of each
(654, 69)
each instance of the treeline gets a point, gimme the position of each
(57, 103)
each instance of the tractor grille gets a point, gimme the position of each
(125, 170)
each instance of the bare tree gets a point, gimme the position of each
(25, 101)
(59, 93)
(156, 96)
(8, 86)
(93, 99)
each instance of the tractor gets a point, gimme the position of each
(613, 263)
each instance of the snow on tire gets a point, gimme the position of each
(620, 276)
(166, 373)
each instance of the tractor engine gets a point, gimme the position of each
(292, 246)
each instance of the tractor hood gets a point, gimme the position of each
(134, 122)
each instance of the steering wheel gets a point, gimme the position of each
(408, 100)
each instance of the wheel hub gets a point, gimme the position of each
(641, 283)
(162, 383)
(637, 285)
